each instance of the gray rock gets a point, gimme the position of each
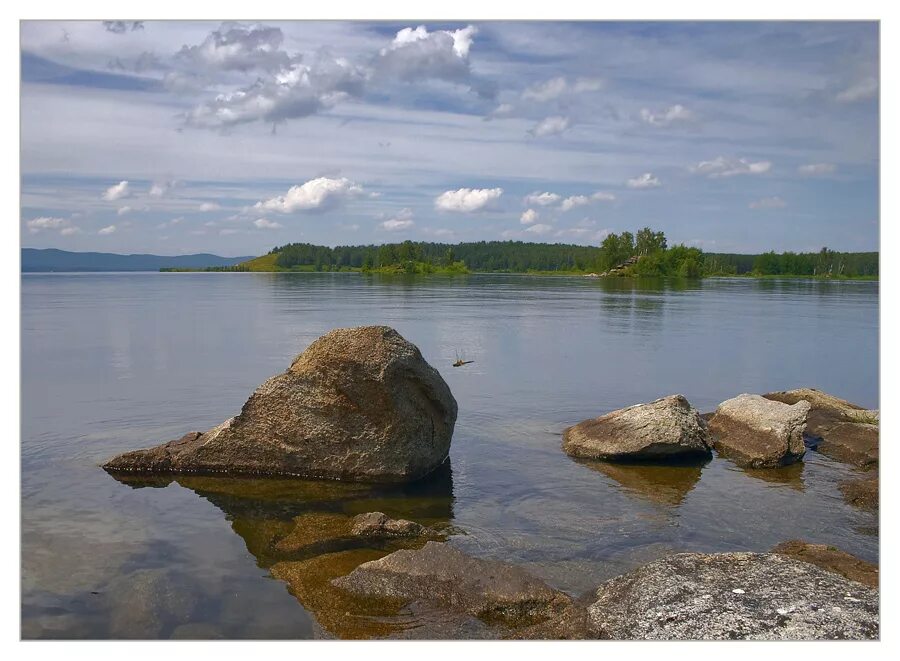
(756, 432)
(378, 524)
(847, 432)
(725, 596)
(667, 428)
(358, 404)
(441, 574)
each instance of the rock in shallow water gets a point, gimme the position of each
(358, 404)
(756, 432)
(862, 492)
(847, 432)
(726, 596)
(668, 428)
(441, 574)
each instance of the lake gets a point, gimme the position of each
(119, 361)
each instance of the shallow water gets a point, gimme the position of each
(112, 362)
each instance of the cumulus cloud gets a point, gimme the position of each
(603, 196)
(730, 167)
(528, 217)
(859, 91)
(123, 210)
(116, 192)
(417, 54)
(397, 224)
(169, 223)
(646, 180)
(297, 91)
(239, 47)
(557, 87)
(553, 125)
(541, 199)
(315, 195)
(68, 231)
(109, 229)
(768, 203)
(671, 115)
(50, 223)
(502, 110)
(209, 206)
(467, 199)
(539, 229)
(575, 201)
(817, 168)
(265, 224)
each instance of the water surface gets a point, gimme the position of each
(113, 362)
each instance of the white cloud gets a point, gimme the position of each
(768, 203)
(397, 224)
(859, 91)
(209, 206)
(541, 199)
(417, 54)
(557, 87)
(467, 199)
(123, 210)
(575, 201)
(646, 180)
(540, 229)
(316, 194)
(817, 168)
(238, 47)
(547, 90)
(602, 196)
(672, 114)
(116, 192)
(729, 167)
(170, 223)
(62, 225)
(298, 91)
(160, 188)
(528, 217)
(109, 229)
(265, 224)
(553, 125)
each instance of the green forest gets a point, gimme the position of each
(645, 253)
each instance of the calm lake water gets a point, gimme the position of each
(113, 362)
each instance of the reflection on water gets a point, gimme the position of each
(112, 362)
(299, 530)
(658, 483)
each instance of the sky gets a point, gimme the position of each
(177, 137)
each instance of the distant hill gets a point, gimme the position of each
(37, 260)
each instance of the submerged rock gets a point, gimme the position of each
(847, 432)
(756, 432)
(724, 596)
(378, 524)
(358, 404)
(832, 559)
(668, 428)
(441, 574)
(862, 492)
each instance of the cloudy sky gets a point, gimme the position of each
(178, 137)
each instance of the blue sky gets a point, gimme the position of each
(177, 137)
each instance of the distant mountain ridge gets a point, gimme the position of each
(36, 260)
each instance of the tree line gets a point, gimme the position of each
(646, 253)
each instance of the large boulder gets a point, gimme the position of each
(756, 432)
(832, 559)
(358, 404)
(668, 428)
(726, 596)
(438, 573)
(846, 432)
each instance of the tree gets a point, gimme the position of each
(648, 242)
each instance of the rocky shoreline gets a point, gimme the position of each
(362, 406)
